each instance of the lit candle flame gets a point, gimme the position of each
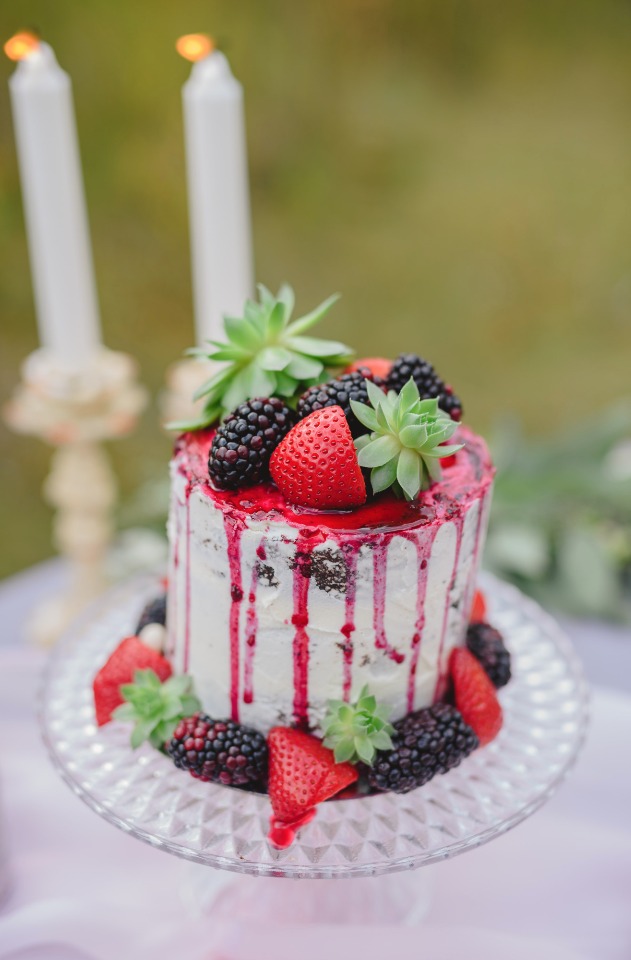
(194, 46)
(21, 45)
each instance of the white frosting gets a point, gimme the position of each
(228, 671)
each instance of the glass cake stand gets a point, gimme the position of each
(143, 793)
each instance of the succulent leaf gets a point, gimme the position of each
(406, 440)
(265, 354)
(154, 707)
(355, 732)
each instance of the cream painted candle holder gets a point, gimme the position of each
(182, 380)
(75, 412)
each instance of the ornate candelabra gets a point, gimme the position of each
(75, 412)
(182, 380)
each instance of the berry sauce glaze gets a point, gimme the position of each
(467, 477)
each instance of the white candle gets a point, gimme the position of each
(218, 195)
(54, 204)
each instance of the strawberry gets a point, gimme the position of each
(478, 611)
(475, 695)
(130, 655)
(315, 465)
(378, 366)
(302, 773)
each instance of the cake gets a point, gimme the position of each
(321, 630)
(274, 610)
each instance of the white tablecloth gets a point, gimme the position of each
(557, 887)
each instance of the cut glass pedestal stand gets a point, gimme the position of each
(381, 837)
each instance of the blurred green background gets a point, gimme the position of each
(460, 172)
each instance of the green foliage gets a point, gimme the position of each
(266, 354)
(355, 732)
(561, 520)
(156, 708)
(403, 448)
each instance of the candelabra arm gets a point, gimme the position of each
(182, 380)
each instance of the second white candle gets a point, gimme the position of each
(218, 195)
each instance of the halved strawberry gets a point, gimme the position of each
(130, 655)
(302, 773)
(478, 610)
(475, 695)
(315, 465)
(378, 366)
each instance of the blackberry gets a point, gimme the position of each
(154, 612)
(425, 743)
(219, 750)
(244, 442)
(487, 645)
(340, 392)
(426, 379)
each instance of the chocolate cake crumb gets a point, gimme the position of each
(327, 567)
(266, 575)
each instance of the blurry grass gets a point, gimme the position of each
(459, 172)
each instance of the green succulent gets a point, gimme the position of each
(154, 707)
(266, 354)
(405, 443)
(357, 731)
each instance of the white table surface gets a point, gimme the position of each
(556, 888)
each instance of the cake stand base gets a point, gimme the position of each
(396, 898)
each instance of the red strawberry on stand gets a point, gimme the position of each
(315, 465)
(302, 774)
(475, 695)
(130, 655)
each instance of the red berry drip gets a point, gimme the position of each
(282, 834)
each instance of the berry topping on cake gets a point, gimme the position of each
(407, 439)
(475, 695)
(219, 750)
(356, 731)
(316, 465)
(154, 612)
(244, 442)
(426, 379)
(130, 655)
(424, 743)
(266, 354)
(338, 392)
(478, 610)
(154, 707)
(302, 774)
(487, 645)
(379, 367)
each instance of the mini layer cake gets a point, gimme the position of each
(274, 610)
(323, 632)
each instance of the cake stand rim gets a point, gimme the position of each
(285, 870)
